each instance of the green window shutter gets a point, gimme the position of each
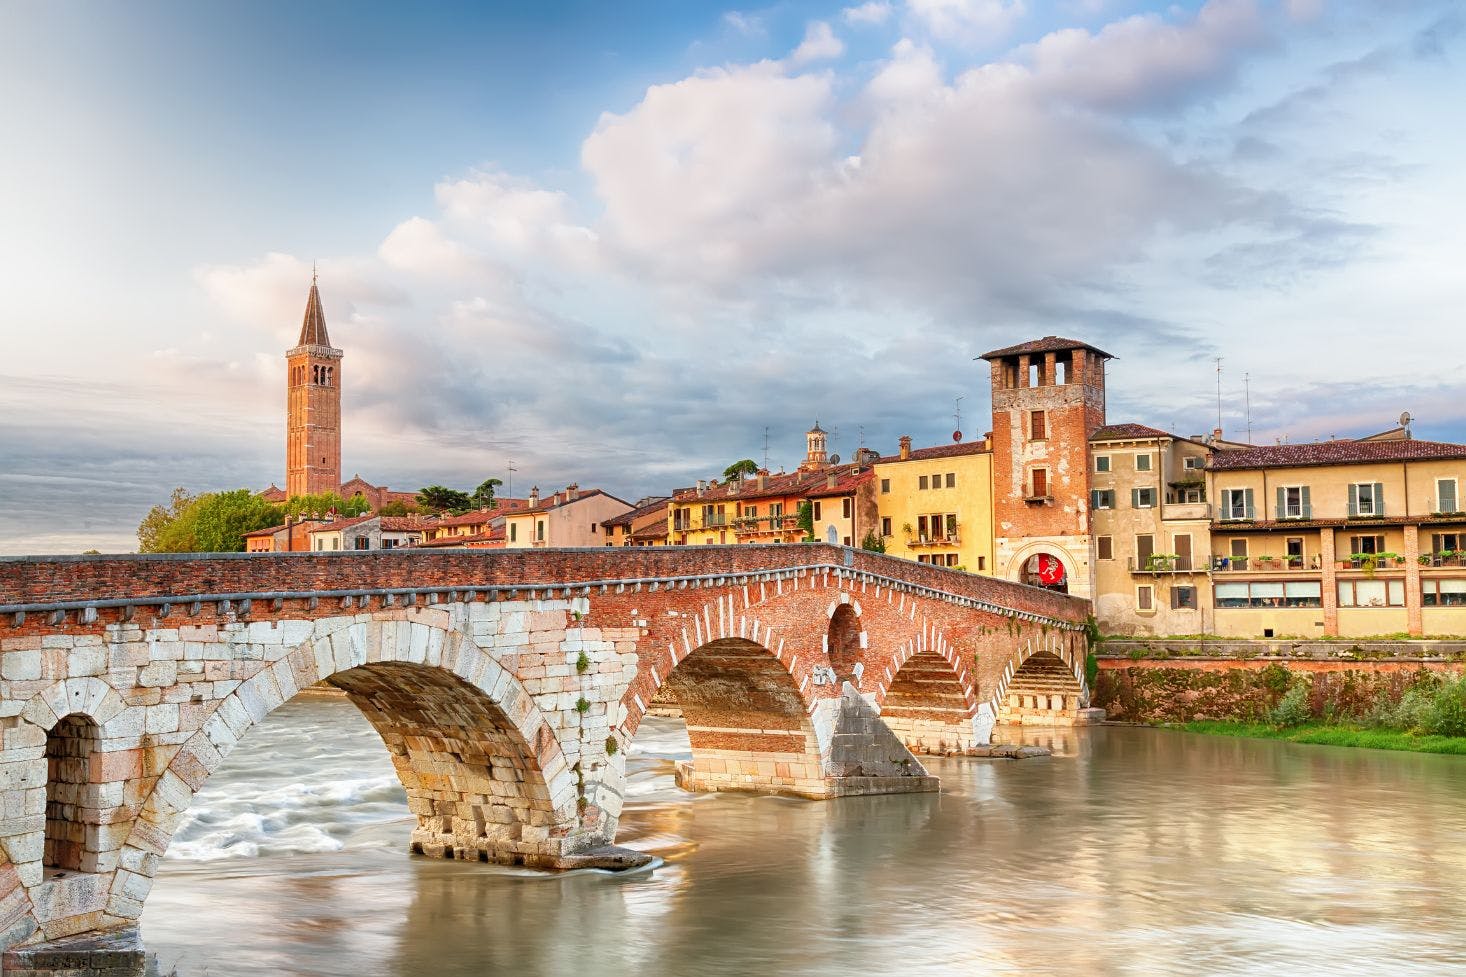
(1135, 498)
(1282, 503)
(1353, 499)
(1094, 499)
(1247, 504)
(1307, 503)
(1379, 498)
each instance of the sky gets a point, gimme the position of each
(623, 244)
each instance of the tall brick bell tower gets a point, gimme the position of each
(313, 406)
(1048, 398)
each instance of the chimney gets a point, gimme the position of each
(534, 497)
(1216, 434)
(905, 447)
(763, 480)
(702, 487)
(572, 491)
(831, 479)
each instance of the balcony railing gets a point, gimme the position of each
(1186, 510)
(1164, 564)
(921, 540)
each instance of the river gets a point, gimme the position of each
(1131, 851)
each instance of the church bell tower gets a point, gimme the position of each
(313, 406)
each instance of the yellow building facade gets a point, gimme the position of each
(935, 505)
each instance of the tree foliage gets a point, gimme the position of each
(321, 503)
(873, 542)
(805, 519)
(213, 522)
(483, 496)
(741, 469)
(396, 508)
(440, 498)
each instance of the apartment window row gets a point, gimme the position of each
(927, 482)
(938, 525)
(1140, 498)
(942, 559)
(1364, 499)
(1143, 462)
(1291, 593)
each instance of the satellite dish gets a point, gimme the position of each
(1405, 419)
(834, 459)
(956, 435)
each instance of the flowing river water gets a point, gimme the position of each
(1130, 851)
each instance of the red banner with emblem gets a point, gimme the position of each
(1050, 570)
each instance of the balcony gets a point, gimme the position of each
(1163, 563)
(918, 542)
(1186, 510)
(755, 525)
(1260, 564)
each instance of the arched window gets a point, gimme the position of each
(71, 801)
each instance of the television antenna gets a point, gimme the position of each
(511, 469)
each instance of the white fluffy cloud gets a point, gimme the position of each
(819, 44)
(967, 21)
(870, 12)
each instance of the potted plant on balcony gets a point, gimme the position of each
(1450, 558)
(1265, 562)
(1428, 559)
(1158, 562)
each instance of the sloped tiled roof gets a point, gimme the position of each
(1128, 432)
(1340, 452)
(939, 451)
(777, 486)
(646, 509)
(845, 484)
(1048, 344)
(546, 504)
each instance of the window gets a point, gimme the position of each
(1144, 598)
(1183, 597)
(1371, 593)
(1293, 593)
(817, 509)
(1367, 499)
(1295, 552)
(1237, 504)
(539, 530)
(776, 510)
(1293, 502)
(363, 543)
(1102, 499)
(1040, 483)
(1101, 463)
(514, 530)
(885, 486)
(982, 563)
(1193, 462)
(921, 483)
(1445, 495)
(1142, 463)
(951, 559)
(592, 527)
(1142, 498)
(1450, 592)
(1366, 544)
(885, 525)
(845, 508)
(1104, 548)
(1037, 426)
(1239, 549)
(1447, 543)
(951, 479)
(1144, 550)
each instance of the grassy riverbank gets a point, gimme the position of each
(1328, 734)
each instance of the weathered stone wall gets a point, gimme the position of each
(1245, 691)
(1239, 649)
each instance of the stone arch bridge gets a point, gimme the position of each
(506, 685)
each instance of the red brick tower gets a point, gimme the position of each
(313, 407)
(1048, 398)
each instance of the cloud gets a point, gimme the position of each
(749, 25)
(819, 44)
(873, 12)
(967, 21)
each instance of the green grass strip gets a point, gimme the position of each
(1321, 734)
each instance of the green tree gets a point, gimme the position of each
(396, 508)
(214, 522)
(321, 503)
(159, 518)
(483, 496)
(741, 469)
(873, 542)
(439, 498)
(805, 519)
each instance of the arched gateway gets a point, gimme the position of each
(506, 687)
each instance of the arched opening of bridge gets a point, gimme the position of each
(843, 642)
(746, 721)
(1042, 692)
(72, 805)
(927, 707)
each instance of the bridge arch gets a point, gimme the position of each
(483, 769)
(928, 695)
(1043, 683)
(846, 640)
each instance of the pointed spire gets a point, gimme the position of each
(313, 326)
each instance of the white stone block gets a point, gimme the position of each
(158, 674)
(21, 666)
(162, 718)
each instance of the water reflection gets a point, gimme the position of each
(1130, 852)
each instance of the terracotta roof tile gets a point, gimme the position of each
(1048, 344)
(1129, 432)
(1340, 452)
(940, 451)
(844, 485)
